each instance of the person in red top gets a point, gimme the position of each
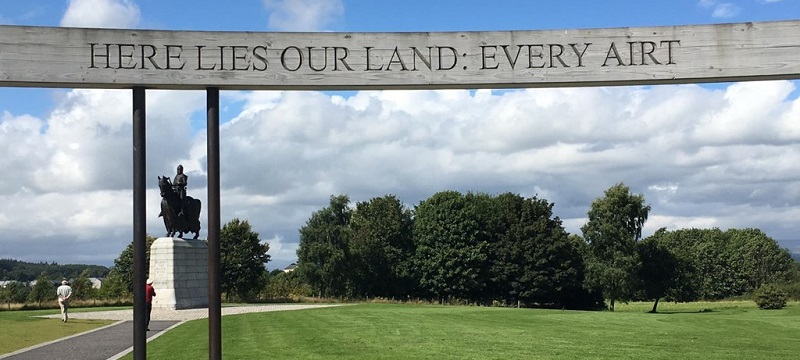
(149, 292)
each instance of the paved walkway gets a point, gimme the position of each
(116, 340)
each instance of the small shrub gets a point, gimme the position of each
(768, 296)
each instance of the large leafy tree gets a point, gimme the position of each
(586, 298)
(685, 245)
(242, 259)
(659, 270)
(451, 245)
(532, 258)
(381, 247)
(715, 268)
(323, 256)
(716, 264)
(123, 266)
(615, 225)
(759, 258)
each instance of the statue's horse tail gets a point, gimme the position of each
(194, 221)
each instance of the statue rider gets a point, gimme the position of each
(179, 187)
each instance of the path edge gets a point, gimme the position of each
(59, 340)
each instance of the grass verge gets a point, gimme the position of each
(725, 330)
(21, 329)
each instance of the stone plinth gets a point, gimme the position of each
(179, 269)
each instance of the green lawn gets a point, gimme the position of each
(21, 328)
(723, 330)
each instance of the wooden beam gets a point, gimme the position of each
(114, 58)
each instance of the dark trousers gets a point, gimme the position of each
(149, 309)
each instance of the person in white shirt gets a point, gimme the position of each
(64, 292)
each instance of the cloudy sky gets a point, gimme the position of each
(712, 155)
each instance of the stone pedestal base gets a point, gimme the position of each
(179, 269)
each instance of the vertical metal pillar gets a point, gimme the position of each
(139, 225)
(214, 293)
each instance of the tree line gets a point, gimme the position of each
(46, 277)
(26, 271)
(503, 250)
(243, 272)
(511, 250)
(44, 290)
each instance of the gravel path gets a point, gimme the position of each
(189, 314)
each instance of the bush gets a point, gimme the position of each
(768, 296)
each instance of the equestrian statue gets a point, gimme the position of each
(181, 213)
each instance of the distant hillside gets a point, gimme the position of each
(796, 256)
(25, 271)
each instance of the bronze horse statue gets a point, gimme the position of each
(175, 220)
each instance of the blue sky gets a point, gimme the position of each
(442, 15)
(711, 155)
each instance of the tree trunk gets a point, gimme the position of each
(612, 305)
(655, 305)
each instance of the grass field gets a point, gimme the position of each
(21, 329)
(719, 330)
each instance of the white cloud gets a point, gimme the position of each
(572, 143)
(720, 9)
(21, 142)
(85, 142)
(725, 10)
(702, 157)
(101, 14)
(303, 15)
(281, 250)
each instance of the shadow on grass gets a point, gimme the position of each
(681, 312)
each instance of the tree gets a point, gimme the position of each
(323, 256)
(123, 265)
(14, 292)
(615, 225)
(684, 285)
(591, 299)
(26, 272)
(82, 287)
(713, 264)
(242, 259)
(114, 286)
(5, 295)
(700, 266)
(658, 271)
(532, 258)
(759, 258)
(42, 290)
(451, 243)
(287, 285)
(381, 247)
